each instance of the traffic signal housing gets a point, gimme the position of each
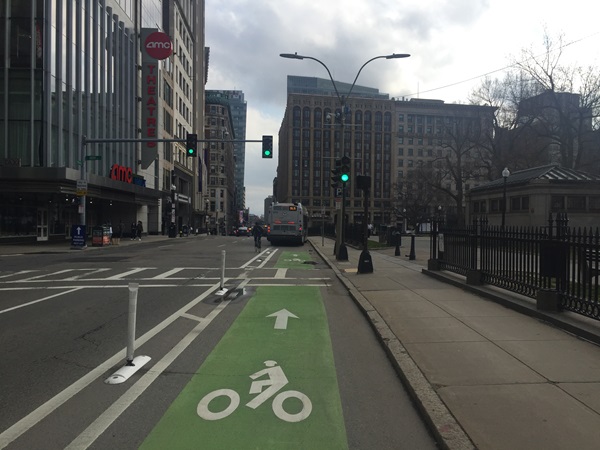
(191, 144)
(267, 146)
(345, 169)
(335, 174)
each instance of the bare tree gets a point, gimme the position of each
(414, 200)
(547, 112)
(509, 142)
(459, 161)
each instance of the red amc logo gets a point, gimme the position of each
(121, 173)
(158, 45)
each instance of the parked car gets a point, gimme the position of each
(243, 231)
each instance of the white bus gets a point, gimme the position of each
(287, 223)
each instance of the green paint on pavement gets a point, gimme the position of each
(302, 350)
(294, 260)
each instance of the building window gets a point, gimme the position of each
(576, 203)
(519, 203)
(594, 203)
(557, 203)
(479, 206)
(495, 205)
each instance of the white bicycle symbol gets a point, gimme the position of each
(274, 383)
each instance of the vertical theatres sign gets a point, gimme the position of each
(156, 46)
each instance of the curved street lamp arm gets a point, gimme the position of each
(297, 56)
(360, 70)
(392, 56)
(340, 98)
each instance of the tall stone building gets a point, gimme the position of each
(384, 139)
(238, 109)
(219, 159)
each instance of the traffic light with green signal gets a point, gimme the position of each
(267, 146)
(191, 144)
(345, 170)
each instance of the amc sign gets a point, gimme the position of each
(121, 173)
(158, 45)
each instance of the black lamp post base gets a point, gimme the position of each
(342, 254)
(365, 263)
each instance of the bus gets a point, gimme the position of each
(287, 223)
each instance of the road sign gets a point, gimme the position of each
(78, 236)
(82, 187)
(93, 158)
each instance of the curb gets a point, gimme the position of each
(446, 430)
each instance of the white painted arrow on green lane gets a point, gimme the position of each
(282, 317)
(262, 387)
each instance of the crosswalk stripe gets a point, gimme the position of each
(126, 274)
(168, 273)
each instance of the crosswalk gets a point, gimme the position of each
(104, 274)
(138, 274)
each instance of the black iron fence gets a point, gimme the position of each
(557, 265)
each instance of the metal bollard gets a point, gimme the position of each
(398, 244)
(412, 255)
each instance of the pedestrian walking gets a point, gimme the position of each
(133, 230)
(118, 233)
(139, 229)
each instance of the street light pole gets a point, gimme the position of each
(505, 175)
(341, 251)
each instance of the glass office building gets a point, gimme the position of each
(68, 70)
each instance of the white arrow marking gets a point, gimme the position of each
(282, 317)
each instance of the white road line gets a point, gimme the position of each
(168, 273)
(288, 284)
(256, 257)
(38, 301)
(99, 426)
(267, 259)
(107, 286)
(192, 317)
(126, 274)
(280, 273)
(17, 273)
(33, 418)
(77, 277)
(47, 275)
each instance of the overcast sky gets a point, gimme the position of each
(453, 43)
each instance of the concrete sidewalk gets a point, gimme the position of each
(484, 375)
(65, 246)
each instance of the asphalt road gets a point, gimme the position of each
(63, 329)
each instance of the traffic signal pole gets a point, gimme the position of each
(340, 245)
(84, 157)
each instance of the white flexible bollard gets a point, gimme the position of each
(132, 365)
(222, 269)
(133, 294)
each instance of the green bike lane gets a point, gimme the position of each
(270, 383)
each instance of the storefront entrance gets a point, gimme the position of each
(42, 224)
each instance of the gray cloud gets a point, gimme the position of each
(247, 36)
